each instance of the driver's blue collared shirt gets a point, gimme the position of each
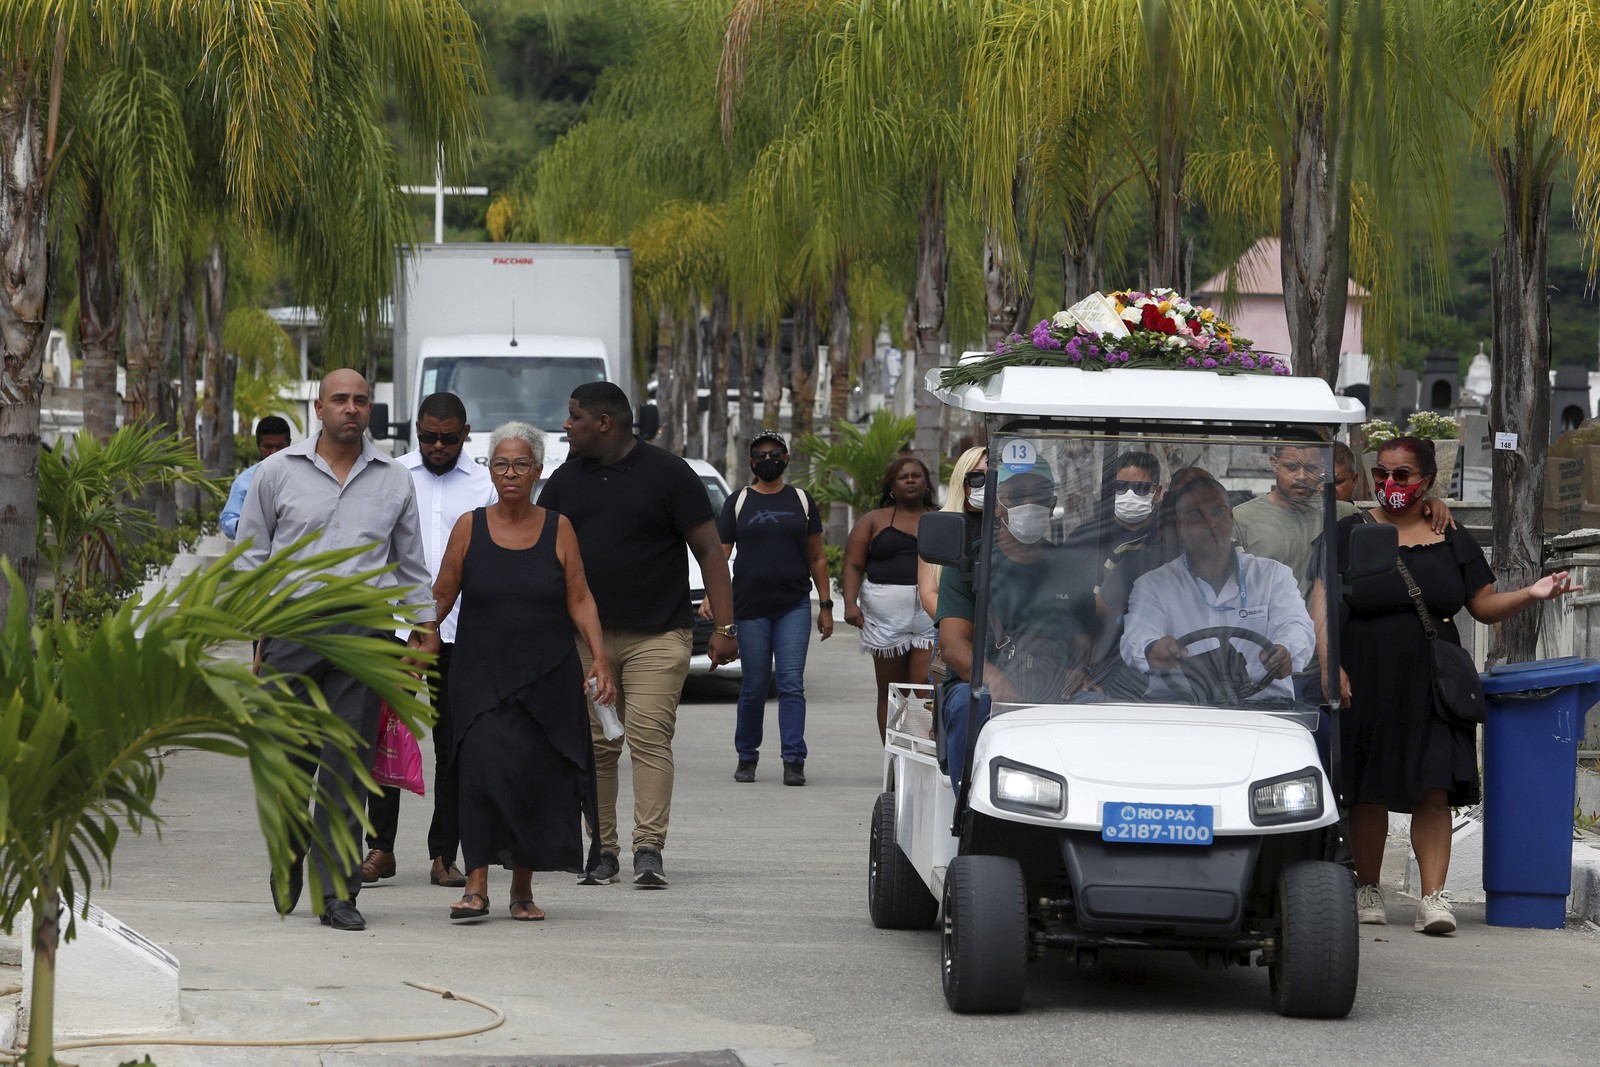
(1171, 602)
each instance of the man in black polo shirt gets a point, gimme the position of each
(633, 507)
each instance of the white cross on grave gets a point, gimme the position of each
(439, 189)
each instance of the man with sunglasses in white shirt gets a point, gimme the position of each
(449, 484)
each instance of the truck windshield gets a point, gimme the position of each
(497, 390)
(1170, 570)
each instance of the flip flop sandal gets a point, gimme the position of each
(526, 905)
(470, 913)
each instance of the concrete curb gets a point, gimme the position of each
(1584, 902)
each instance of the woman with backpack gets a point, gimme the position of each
(778, 531)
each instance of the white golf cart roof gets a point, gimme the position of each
(1129, 393)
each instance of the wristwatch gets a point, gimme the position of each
(730, 630)
(825, 605)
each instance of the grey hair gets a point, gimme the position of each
(523, 432)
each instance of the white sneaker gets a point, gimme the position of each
(1434, 915)
(1370, 908)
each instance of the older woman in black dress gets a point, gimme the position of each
(517, 688)
(1399, 755)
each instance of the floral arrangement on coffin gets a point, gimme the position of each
(1126, 329)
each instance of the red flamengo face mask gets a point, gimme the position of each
(1395, 498)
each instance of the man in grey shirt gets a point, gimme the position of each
(336, 485)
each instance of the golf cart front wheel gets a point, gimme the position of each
(1314, 972)
(984, 952)
(896, 895)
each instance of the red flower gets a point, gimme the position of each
(1154, 320)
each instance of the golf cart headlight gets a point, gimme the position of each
(1289, 798)
(1028, 789)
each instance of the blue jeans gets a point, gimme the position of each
(781, 639)
(956, 699)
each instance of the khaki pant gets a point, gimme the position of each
(649, 669)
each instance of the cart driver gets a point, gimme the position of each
(1212, 584)
(1040, 612)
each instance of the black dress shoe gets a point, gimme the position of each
(342, 915)
(297, 881)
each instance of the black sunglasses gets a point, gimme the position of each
(770, 453)
(1121, 485)
(1399, 474)
(975, 479)
(425, 438)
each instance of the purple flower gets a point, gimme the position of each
(1209, 362)
(1247, 363)
(1191, 362)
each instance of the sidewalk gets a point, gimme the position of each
(760, 952)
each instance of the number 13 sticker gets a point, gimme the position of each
(1018, 455)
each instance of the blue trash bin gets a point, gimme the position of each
(1530, 758)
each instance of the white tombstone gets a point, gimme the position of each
(110, 979)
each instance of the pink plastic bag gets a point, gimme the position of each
(397, 760)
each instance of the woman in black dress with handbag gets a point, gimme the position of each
(517, 689)
(1398, 754)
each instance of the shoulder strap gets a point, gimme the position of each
(805, 503)
(1416, 598)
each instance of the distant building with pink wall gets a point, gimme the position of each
(1256, 309)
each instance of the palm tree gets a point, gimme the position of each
(301, 160)
(1522, 71)
(83, 722)
(87, 523)
(849, 469)
(887, 104)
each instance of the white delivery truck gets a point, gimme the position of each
(510, 329)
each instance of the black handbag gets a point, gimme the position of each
(1457, 691)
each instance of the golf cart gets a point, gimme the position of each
(1141, 769)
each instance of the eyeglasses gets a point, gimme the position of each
(1399, 474)
(975, 479)
(1136, 488)
(507, 466)
(425, 438)
(769, 453)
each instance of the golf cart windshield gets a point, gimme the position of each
(1163, 569)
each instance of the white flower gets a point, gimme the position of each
(1133, 313)
(1064, 320)
(1174, 341)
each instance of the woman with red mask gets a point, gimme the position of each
(1398, 754)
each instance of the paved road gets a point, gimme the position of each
(762, 946)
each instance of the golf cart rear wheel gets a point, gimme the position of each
(1319, 944)
(896, 895)
(985, 946)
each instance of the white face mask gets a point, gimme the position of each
(975, 498)
(1027, 522)
(1132, 508)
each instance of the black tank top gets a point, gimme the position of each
(892, 557)
(514, 626)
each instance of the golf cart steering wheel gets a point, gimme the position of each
(1246, 690)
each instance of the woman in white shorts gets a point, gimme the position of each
(880, 581)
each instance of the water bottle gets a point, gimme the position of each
(610, 725)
